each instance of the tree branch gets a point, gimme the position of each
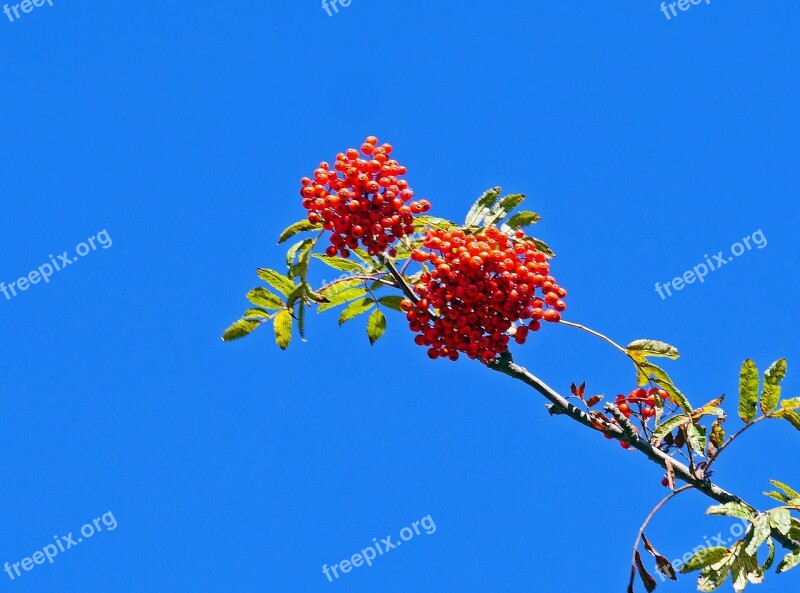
(625, 432)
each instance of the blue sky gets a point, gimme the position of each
(182, 131)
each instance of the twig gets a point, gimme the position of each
(652, 514)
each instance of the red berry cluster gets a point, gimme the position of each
(480, 285)
(643, 402)
(362, 199)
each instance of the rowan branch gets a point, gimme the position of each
(625, 433)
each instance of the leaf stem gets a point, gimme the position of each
(594, 333)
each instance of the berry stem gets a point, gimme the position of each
(400, 281)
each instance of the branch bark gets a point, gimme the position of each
(561, 406)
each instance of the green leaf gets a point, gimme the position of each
(296, 228)
(365, 257)
(298, 293)
(789, 561)
(781, 519)
(342, 264)
(748, 391)
(711, 579)
(696, 434)
(731, 509)
(239, 329)
(705, 557)
(393, 302)
(770, 557)
(294, 249)
(652, 348)
(345, 296)
(376, 326)
(478, 209)
(301, 320)
(790, 415)
(503, 208)
(523, 219)
(790, 493)
(511, 201)
(668, 426)
(283, 329)
(355, 309)
(276, 280)
(771, 392)
(541, 246)
(745, 568)
(261, 297)
(759, 534)
(421, 222)
(666, 383)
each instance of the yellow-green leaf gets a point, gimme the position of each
(342, 297)
(392, 301)
(790, 415)
(355, 309)
(479, 208)
(705, 557)
(790, 492)
(653, 348)
(376, 326)
(668, 426)
(771, 392)
(261, 297)
(239, 329)
(731, 509)
(276, 280)
(283, 329)
(791, 404)
(748, 391)
(666, 383)
(789, 561)
(298, 227)
(341, 264)
(523, 219)
(696, 433)
(781, 519)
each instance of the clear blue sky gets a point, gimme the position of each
(183, 130)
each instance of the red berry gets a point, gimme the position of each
(361, 200)
(481, 286)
